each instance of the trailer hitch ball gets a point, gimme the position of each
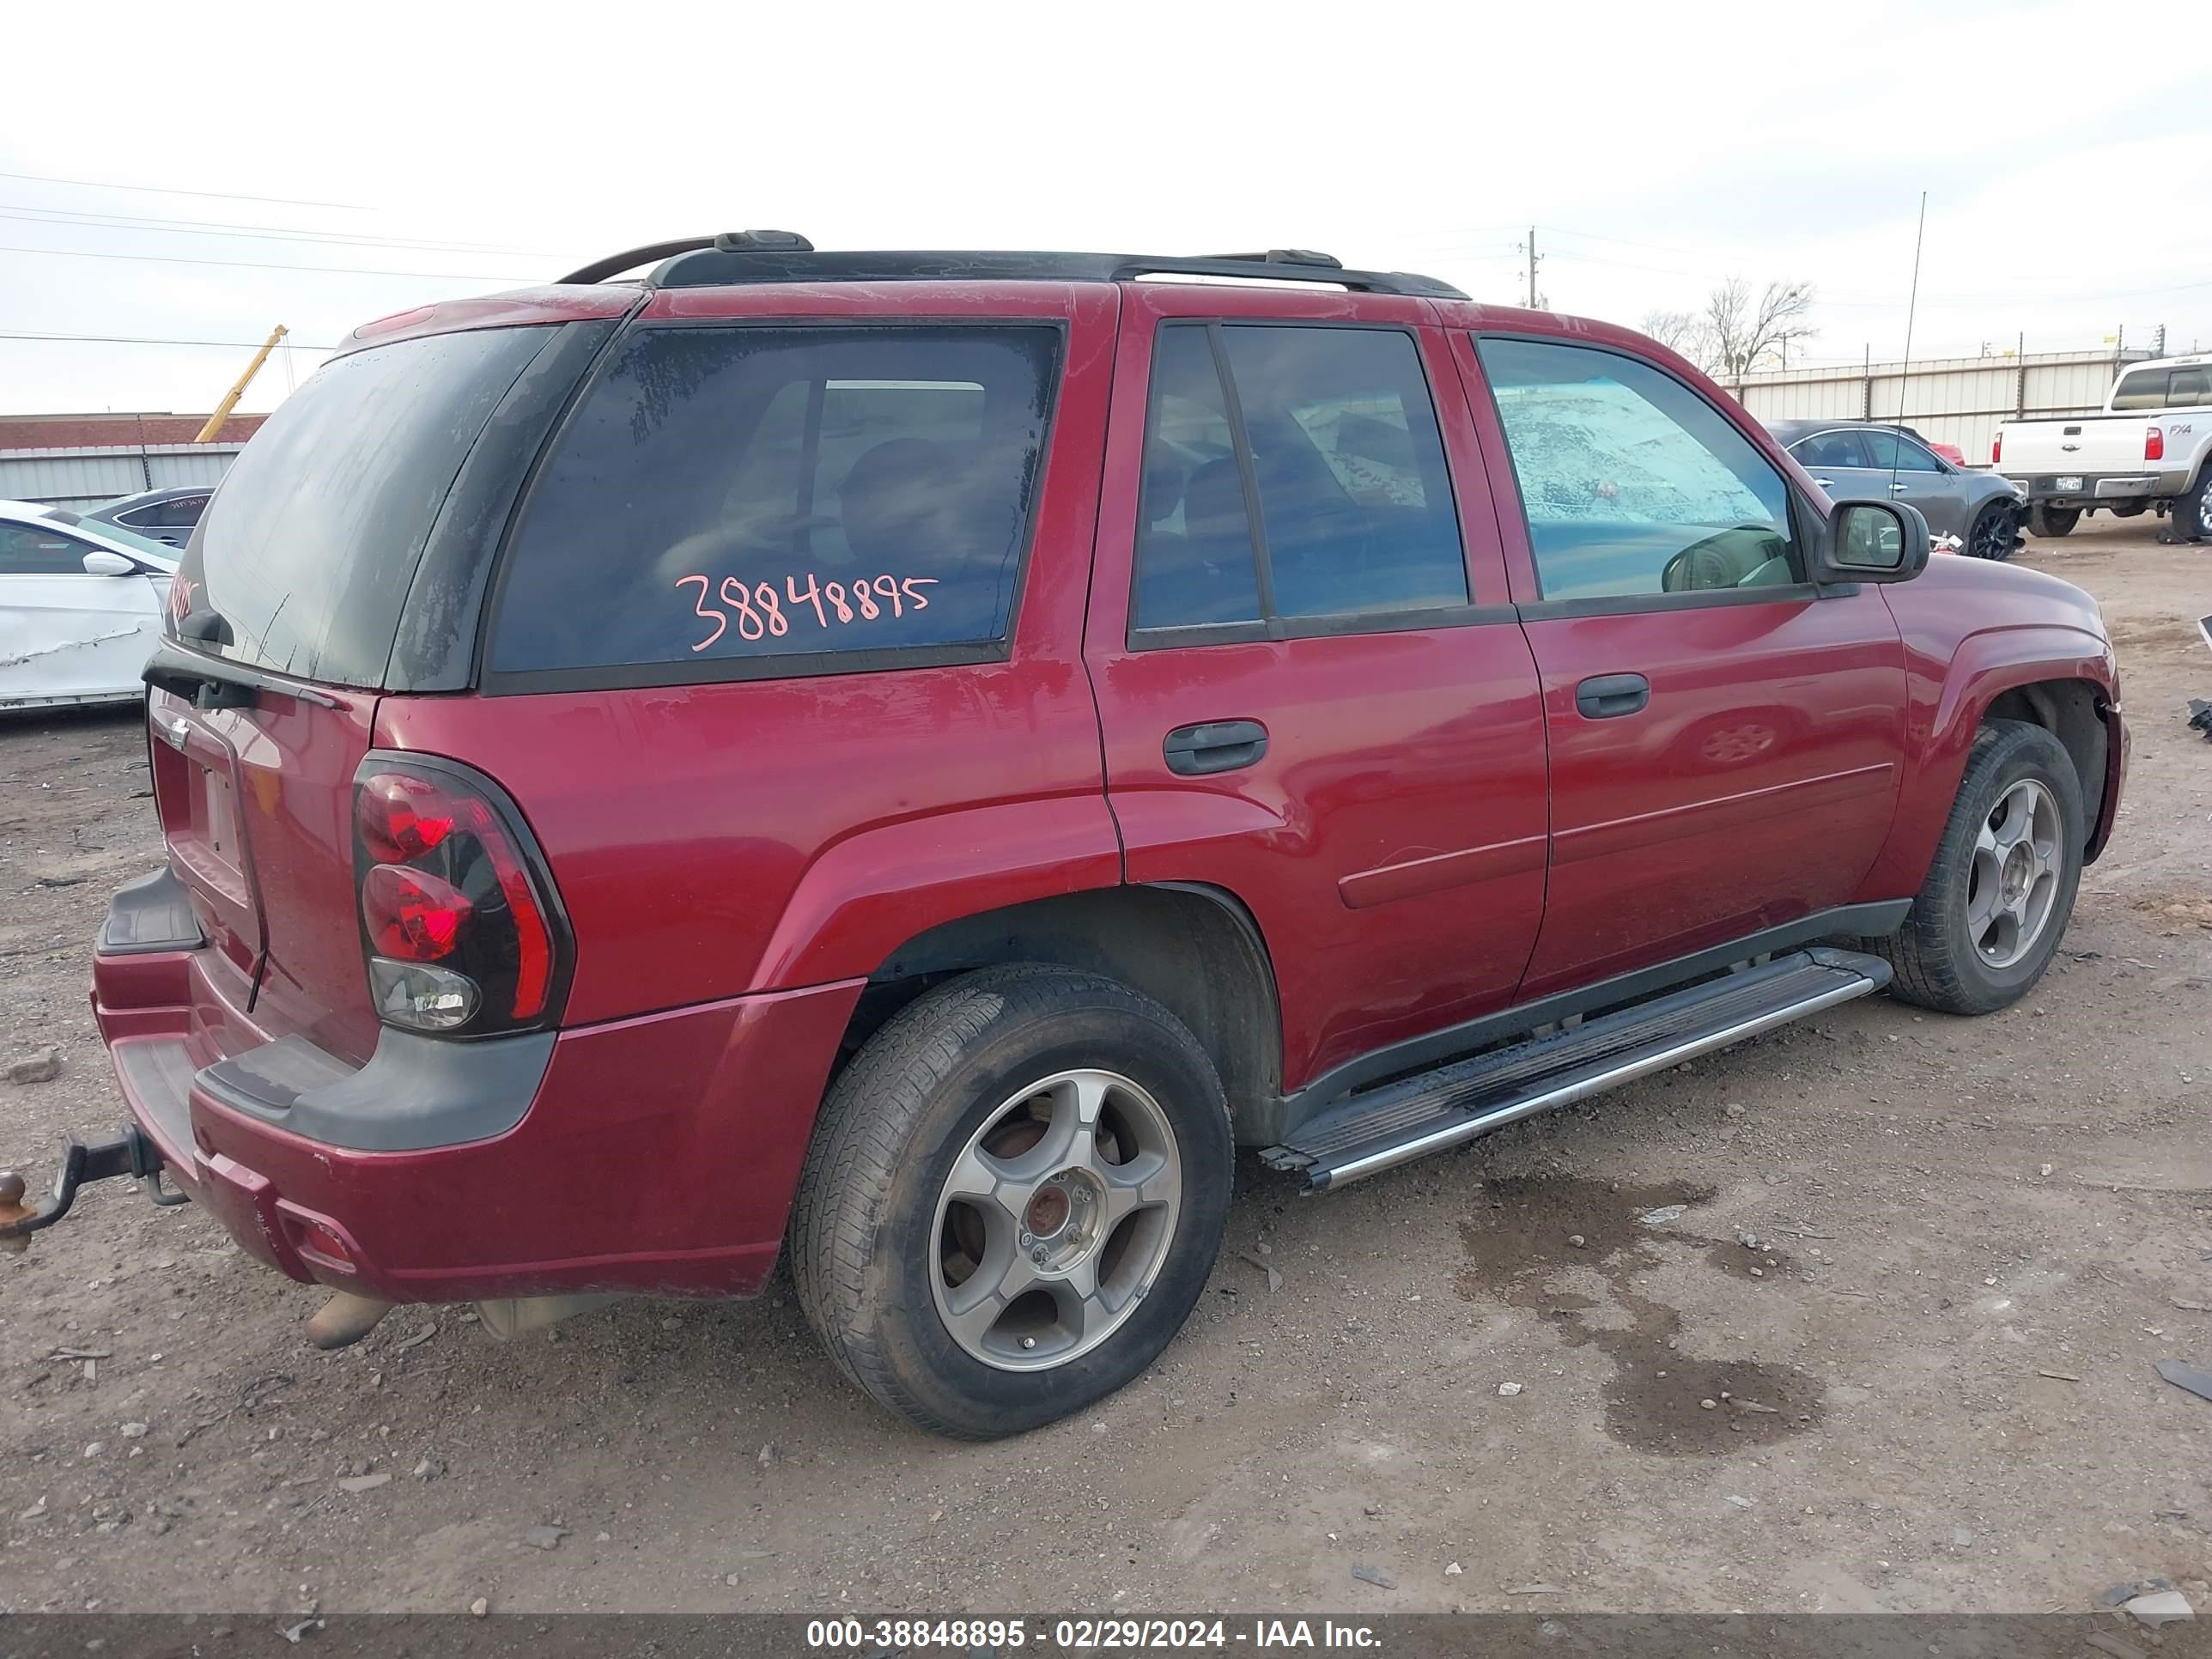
(13, 1209)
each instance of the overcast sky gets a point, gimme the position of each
(460, 148)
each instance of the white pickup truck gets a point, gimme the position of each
(2150, 449)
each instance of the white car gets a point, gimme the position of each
(80, 607)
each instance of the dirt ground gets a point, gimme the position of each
(1930, 1386)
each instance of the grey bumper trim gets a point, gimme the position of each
(415, 1092)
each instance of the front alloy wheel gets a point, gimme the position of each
(1997, 898)
(2014, 880)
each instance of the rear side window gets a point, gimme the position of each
(746, 500)
(178, 513)
(302, 560)
(1346, 470)
(2145, 389)
(1633, 483)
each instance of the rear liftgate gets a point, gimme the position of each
(1396, 1121)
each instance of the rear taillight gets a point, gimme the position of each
(1996, 449)
(458, 915)
(2154, 443)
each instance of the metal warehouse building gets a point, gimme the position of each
(1958, 400)
(81, 460)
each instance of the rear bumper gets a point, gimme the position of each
(656, 1154)
(2096, 489)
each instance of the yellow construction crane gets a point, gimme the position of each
(230, 399)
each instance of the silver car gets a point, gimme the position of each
(1867, 458)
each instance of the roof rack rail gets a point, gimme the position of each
(655, 253)
(775, 256)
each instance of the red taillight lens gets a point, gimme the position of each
(2154, 443)
(412, 914)
(400, 818)
(1996, 449)
(448, 876)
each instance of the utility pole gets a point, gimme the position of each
(1528, 248)
(2158, 342)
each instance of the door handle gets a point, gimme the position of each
(1214, 746)
(1896, 489)
(1608, 696)
(1825, 484)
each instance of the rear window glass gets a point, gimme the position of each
(302, 560)
(2145, 390)
(730, 497)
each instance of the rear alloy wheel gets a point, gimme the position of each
(1989, 917)
(2052, 520)
(1994, 530)
(1013, 1199)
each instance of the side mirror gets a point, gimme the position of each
(1870, 541)
(101, 562)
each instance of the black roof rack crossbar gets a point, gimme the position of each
(768, 256)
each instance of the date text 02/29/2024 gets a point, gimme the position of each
(1085, 1635)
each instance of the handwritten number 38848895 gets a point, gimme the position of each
(760, 611)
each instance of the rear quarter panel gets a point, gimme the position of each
(1973, 630)
(711, 839)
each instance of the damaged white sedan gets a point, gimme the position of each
(80, 607)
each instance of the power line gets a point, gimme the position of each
(133, 339)
(260, 265)
(207, 195)
(73, 221)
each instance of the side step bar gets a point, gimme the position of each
(1394, 1122)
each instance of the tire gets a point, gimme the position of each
(1945, 957)
(1993, 531)
(2192, 509)
(2052, 520)
(948, 1094)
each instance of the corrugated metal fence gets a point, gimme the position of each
(1957, 400)
(83, 478)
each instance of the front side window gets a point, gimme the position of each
(1341, 458)
(25, 550)
(1893, 451)
(1633, 483)
(748, 493)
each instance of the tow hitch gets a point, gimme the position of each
(130, 1154)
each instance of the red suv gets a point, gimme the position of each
(913, 758)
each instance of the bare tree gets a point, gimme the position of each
(1678, 331)
(1741, 333)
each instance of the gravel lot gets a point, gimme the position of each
(1931, 1386)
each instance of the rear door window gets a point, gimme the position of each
(739, 501)
(1830, 449)
(1335, 440)
(302, 560)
